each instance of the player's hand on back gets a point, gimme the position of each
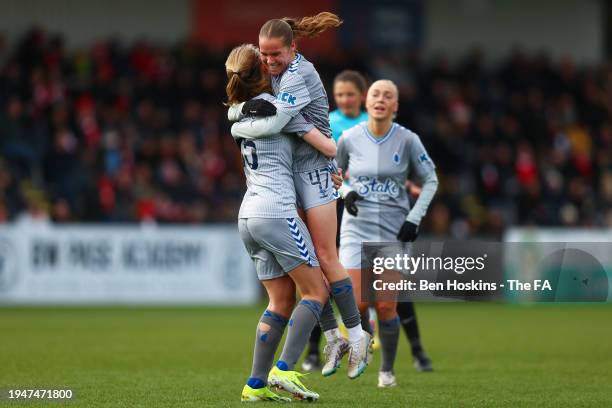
(258, 107)
(409, 232)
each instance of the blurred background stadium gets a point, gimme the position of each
(113, 113)
(120, 183)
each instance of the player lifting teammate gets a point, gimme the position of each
(274, 235)
(298, 89)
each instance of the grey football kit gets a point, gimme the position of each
(378, 169)
(300, 90)
(301, 102)
(275, 237)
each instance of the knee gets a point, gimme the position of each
(282, 306)
(328, 257)
(386, 310)
(324, 295)
(319, 294)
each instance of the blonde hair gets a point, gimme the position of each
(289, 29)
(245, 78)
(388, 82)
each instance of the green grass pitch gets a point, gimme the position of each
(485, 355)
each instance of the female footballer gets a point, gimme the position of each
(380, 152)
(349, 90)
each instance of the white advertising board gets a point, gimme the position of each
(124, 265)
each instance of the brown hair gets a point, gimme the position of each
(289, 29)
(353, 77)
(244, 76)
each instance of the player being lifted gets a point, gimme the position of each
(381, 151)
(349, 91)
(299, 89)
(274, 235)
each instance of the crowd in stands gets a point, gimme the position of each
(138, 133)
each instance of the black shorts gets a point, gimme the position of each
(339, 211)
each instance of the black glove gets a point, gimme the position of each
(409, 232)
(258, 107)
(349, 203)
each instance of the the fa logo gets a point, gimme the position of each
(286, 97)
(541, 284)
(396, 158)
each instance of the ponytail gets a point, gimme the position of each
(244, 77)
(289, 29)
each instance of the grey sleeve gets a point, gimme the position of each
(264, 126)
(254, 128)
(430, 186)
(342, 153)
(293, 94)
(342, 162)
(234, 112)
(424, 168)
(420, 162)
(298, 125)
